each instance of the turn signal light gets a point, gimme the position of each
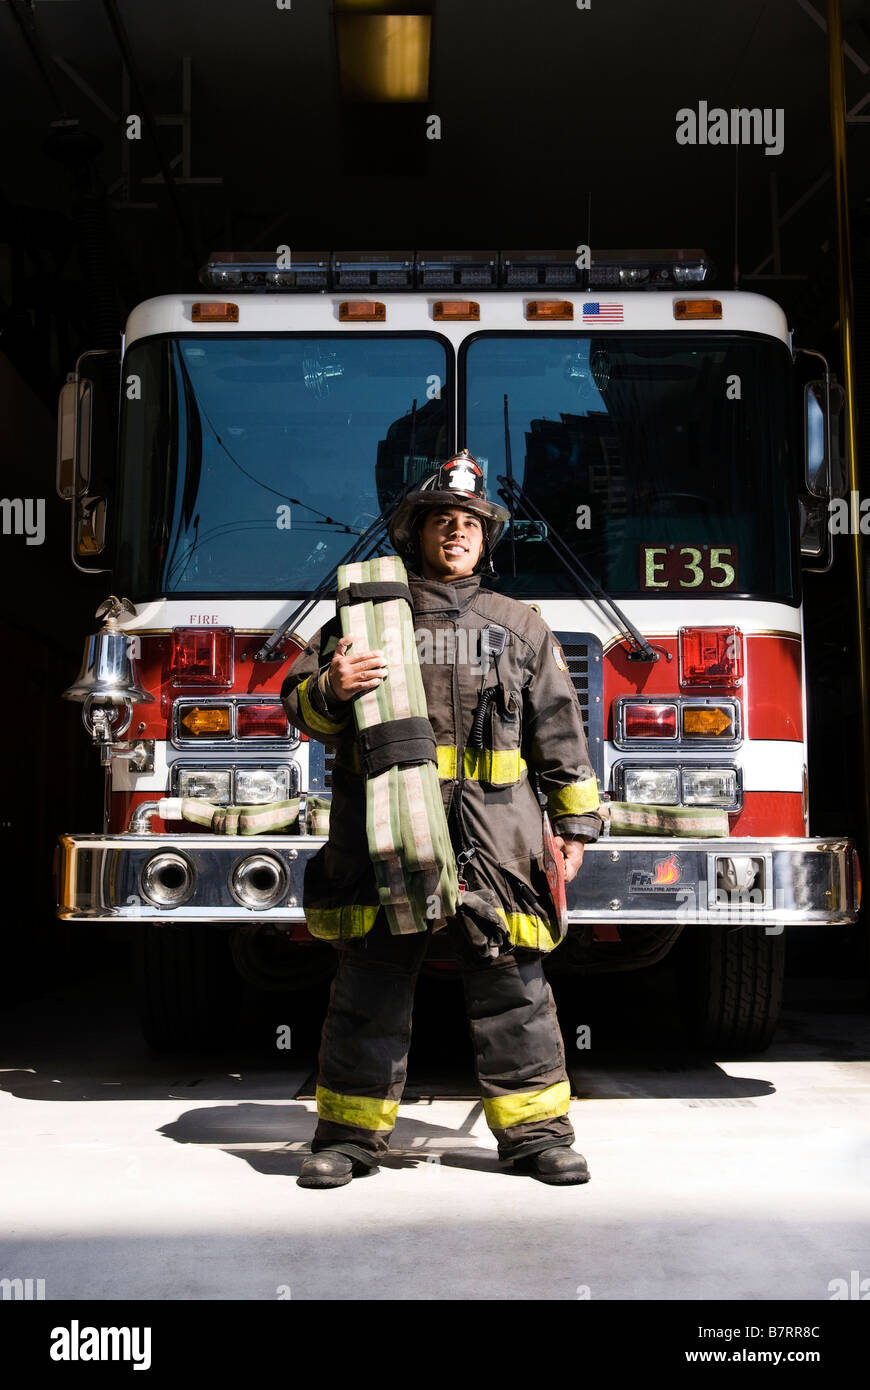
(214, 720)
(649, 721)
(697, 309)
(268, 720)
(215, 311)
(711, 656)
(455, 309)
(549, 309)
(202, 656)
(707, 721)
(361, 311)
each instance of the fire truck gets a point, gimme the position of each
(668, 461)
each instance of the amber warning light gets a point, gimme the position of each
(549, 309)
(214, 311)
(362, 311)
(698, 309)
(456, 309)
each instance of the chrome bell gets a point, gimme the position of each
(108, 671)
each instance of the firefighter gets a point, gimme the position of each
(524, 717)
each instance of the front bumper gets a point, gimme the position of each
(102, 878)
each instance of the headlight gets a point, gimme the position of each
(652, 785)
(710, 786)
(256, 785)
(212, 784)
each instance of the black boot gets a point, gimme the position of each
(558, 1166)
(330, 1168)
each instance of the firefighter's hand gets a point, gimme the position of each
(352, 675)
(572, 853)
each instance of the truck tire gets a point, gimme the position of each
(729, 984)
(188, 992)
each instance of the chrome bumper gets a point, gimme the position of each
(103, 878)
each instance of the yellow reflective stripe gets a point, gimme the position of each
(503, 1112)
(367, 1112)
(312, 717)
(533, 932)
(446, 758)
(335, 923)
(498, 766)
(575, 799)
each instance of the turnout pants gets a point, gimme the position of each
(362, 1066)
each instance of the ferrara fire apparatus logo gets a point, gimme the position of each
(663, 878)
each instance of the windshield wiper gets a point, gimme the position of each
(363, 548)
(639, 649)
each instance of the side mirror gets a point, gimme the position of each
(87, 428)
(90, 537)
(823, 473)
(74, 419)
(817, 439)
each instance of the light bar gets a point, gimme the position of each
(447, 270)
(531, 269)
(353, 270)
(264, 271)
(648, 269)
(320, 271)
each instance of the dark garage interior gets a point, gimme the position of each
(141, 137)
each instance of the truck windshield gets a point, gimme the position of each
(251, 463)
(665, 462)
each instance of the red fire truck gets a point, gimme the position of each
(668, 461)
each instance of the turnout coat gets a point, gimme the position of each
(533, 732)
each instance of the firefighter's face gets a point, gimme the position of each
(451, 543)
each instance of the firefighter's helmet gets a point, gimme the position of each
(458, 483)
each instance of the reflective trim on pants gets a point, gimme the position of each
(519, 1053)
(534, 933)
(503, 1112)
(367, 1112)
(339, 923)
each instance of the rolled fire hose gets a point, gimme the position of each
(406, 828)
(693, 822)
(231, 820)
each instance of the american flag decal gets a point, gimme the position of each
(595, 312)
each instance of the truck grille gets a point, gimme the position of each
(584, 655)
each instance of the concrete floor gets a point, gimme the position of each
(125, 1175)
